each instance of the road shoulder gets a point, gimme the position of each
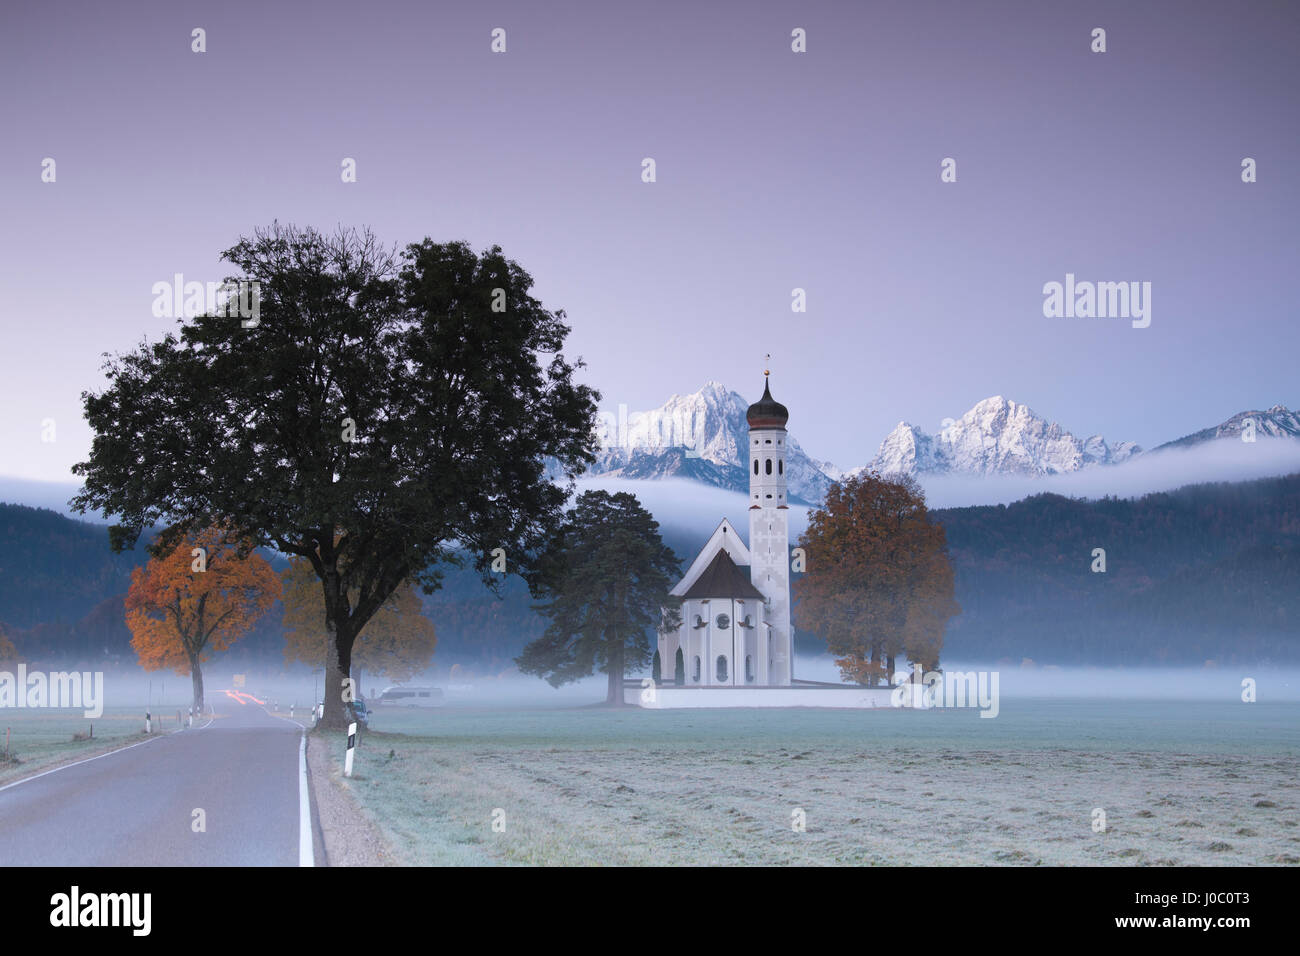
(351, 838)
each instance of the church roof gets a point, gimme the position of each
(724, 538)
(723, 579)
(767, 412)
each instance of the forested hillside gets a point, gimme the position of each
(1208, 572)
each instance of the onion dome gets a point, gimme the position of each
(767, 412)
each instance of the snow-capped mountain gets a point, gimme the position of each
(700, 436)
(1277, 422)
(696, 436)
(997, 436)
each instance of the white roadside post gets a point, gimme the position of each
(352, 745)
(148, 723)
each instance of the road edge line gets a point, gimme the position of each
(77, 763)
(306, 856)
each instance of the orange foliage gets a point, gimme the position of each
(879, 582)
(397, 641)
(179, 615)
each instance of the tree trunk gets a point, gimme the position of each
(338, 661)
(615, 695)
(196, 675)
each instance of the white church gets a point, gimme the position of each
(735, 645)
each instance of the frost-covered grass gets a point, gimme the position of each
(42, 738)
(1180, 782)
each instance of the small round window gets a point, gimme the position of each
(723, 622)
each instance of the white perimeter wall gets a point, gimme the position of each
(676, 697)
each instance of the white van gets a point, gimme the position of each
(410, 697)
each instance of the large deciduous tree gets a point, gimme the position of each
(196, 600)
(879, 582)
(381, 417)
(609, 574)
(396, 642)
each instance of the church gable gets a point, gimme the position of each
(724, 538)
(722, 579)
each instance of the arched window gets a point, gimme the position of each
(768, 468)
(749, 669)
(696, 678)
(756, 466)
(780, 467)
(722, 667)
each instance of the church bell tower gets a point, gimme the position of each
(769, 536)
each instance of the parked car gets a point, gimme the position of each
(411, 697)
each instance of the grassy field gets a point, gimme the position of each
(40, 739)
(1180, 783)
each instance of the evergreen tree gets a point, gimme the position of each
(608, 575)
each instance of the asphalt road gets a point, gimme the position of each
(136, 806)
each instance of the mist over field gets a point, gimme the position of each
(135, 688)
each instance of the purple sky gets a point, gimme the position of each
(775, 170)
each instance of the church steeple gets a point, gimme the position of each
(769, 537)
(767, 412)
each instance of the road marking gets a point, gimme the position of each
(68, 766)
(305, 855)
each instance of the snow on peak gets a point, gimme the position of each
(997, 436)
(700, 435)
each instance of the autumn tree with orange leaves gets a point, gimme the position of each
(396, 642)
(878, 580)
(195, 601)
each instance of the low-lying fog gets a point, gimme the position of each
(167, 693)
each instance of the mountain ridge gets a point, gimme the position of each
(700, 436)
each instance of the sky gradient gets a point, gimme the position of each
(775, 170)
